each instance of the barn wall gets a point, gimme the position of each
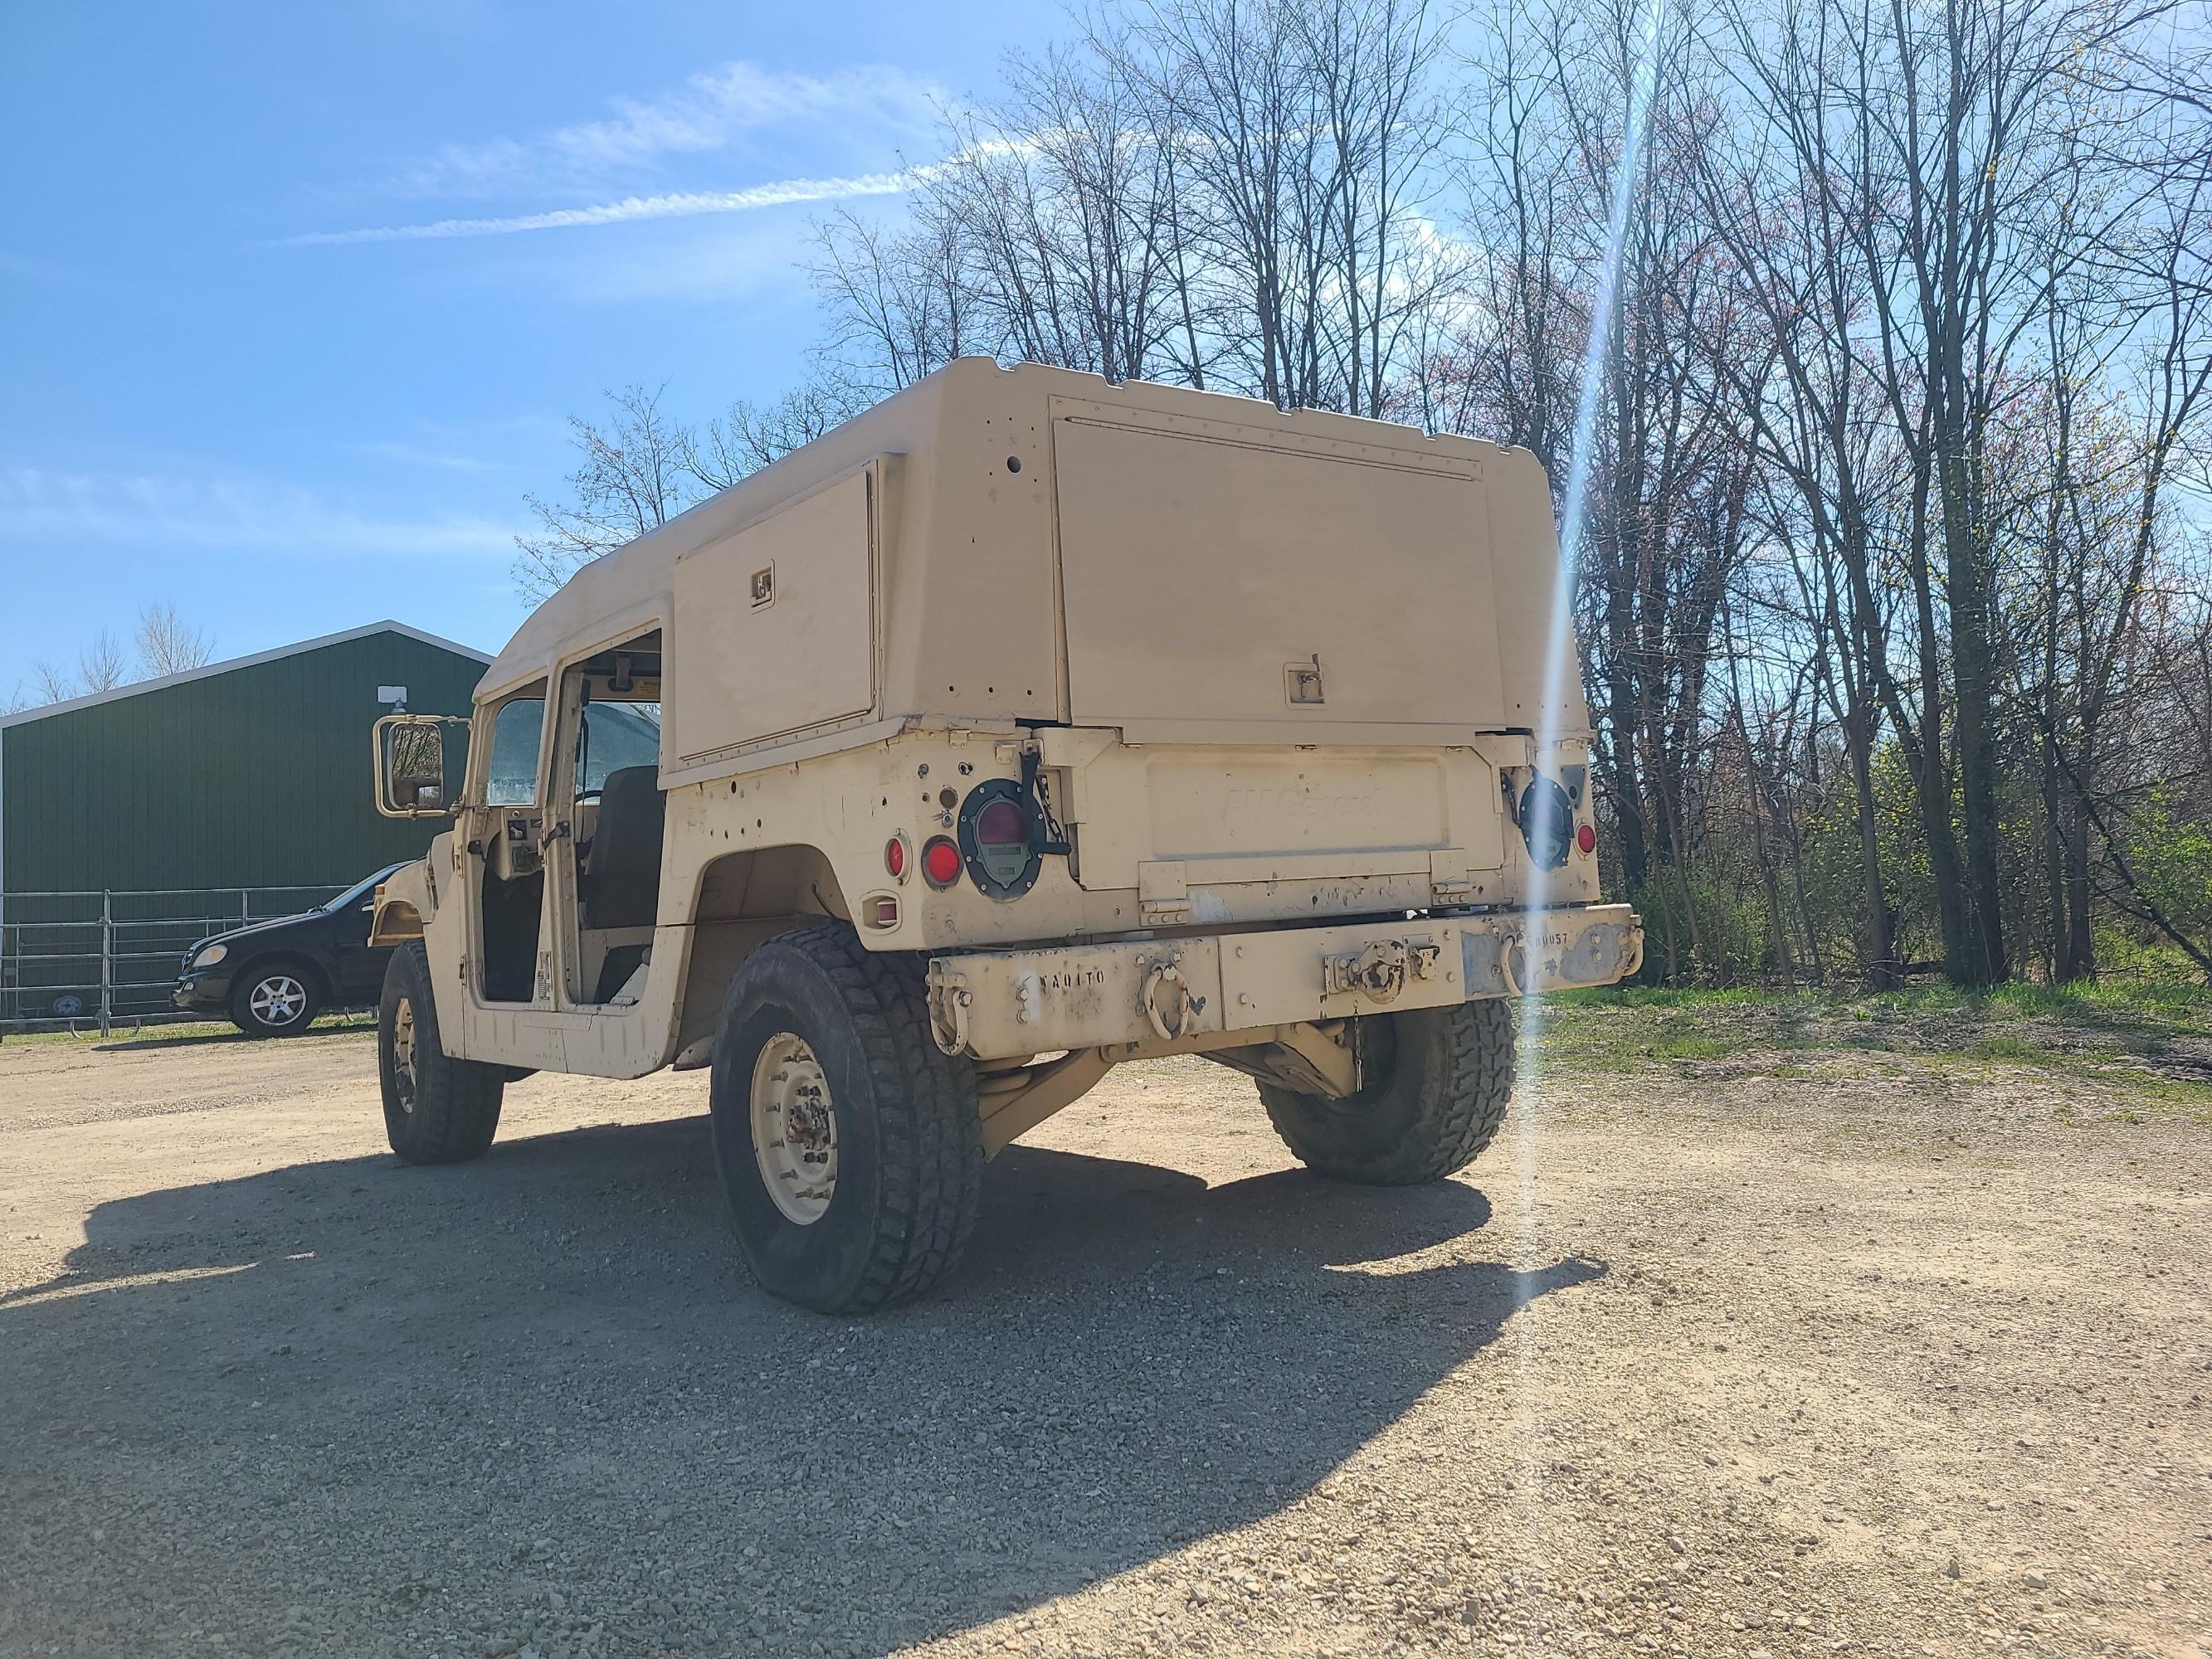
(255, 777)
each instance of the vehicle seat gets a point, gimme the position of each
(623, 888)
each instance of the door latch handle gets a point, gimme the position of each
(558, 832)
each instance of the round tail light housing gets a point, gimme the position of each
(995, 843)
(1546, 820)
(940, 862)
(1586, 838)
(895, 858)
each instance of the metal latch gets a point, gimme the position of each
(1378, 970)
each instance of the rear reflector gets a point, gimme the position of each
(1586, 838)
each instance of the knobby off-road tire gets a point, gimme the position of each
(1438, 1082)
(437, 1109)
(908, 1149)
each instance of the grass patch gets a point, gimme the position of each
(177, 1032)
(2176, 1094)
(2049, 1026)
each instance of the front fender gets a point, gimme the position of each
(405, 902)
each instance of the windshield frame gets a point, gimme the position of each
(362, 888)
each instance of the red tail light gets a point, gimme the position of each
(1586, 838)
(940, 862)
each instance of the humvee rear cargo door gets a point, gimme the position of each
(774, 628)
(1225, 581)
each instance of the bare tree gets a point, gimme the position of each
(168, 644)
(896, 302)
(101, 666)
(49, 683)
(749, 436)
(633, 475)
(1213, 191)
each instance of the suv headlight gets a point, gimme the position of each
(209, 956)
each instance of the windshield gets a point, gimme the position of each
(360, 890)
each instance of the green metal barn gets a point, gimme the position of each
(238, 789)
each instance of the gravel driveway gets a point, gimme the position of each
(1834, 1355)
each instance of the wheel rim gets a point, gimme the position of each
(794, 1128)
(403, 1053)
(277, 1000)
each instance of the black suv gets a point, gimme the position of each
(274, 977)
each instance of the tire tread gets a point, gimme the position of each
(930, 1134)
(456, 1101)
(1458, 1104)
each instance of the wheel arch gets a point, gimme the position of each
(404, 900)
(396, 922)
(739, 901)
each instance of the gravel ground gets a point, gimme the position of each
(1809, 1352)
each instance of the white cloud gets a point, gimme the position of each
(709, 112)
(681, 204)
(237, 515)
(407, 454)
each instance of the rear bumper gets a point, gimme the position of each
(1004, 1004)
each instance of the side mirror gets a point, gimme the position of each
(416, 767)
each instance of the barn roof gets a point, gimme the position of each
(138, 687)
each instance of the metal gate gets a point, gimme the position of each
(92, 960)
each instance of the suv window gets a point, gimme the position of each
(616, 735)
(511, 778)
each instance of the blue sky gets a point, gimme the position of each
(275, 348)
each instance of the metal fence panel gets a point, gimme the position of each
(75, 959)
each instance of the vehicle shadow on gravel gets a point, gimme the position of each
(546, 1371)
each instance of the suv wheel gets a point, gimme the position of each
(848, 1145)
(276, 999)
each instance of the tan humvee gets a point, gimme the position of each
(1024, 724)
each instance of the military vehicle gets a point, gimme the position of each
(1022, 725)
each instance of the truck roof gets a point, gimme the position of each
(1038, 544)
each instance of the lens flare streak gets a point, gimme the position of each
(1643, 81)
